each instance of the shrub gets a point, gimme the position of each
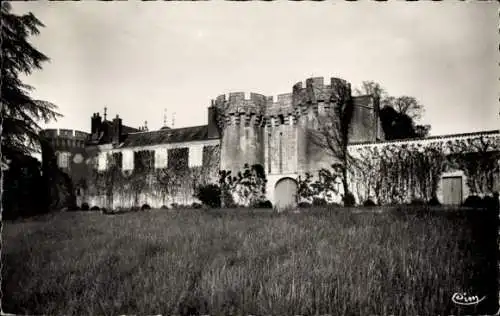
(95, 208)
(145, 207)
(369, 203)
(317, 201)
(434, 201)
(417, 202)
(209, 195)
(304, 205)
(263, 204)
(349, 199)
(164, 207)
(473, 201)
(196, 205)
(174, 205)
(85, 207)
(134, 208)
(490, 202)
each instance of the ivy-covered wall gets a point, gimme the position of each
(116, 187)
(394, 173)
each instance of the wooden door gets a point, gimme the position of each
(285, 193)
(452, 190)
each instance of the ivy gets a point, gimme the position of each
(324, 188)
(248, 188)
(397, 174)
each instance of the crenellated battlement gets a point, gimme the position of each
(315, 90)
(240, 107)
(64, 133)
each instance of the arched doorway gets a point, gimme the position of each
(285, 193)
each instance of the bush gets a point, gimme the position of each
(85, 207)
(369, 203)
(490, 202)
(145, 207)
(473, 201)
(196, 205)
(304, 205)
(417, 202)
(95, 208)
(434, 201)
(349, 199)
(134, 208)
(209, 195)
(263, 204)
(164, 207)
(317, 201)
(178, 206)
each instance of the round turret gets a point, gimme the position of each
(68, 148)
(240, 117)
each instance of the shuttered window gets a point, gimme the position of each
(128, 160)
(196, 156)
(102, 161)
(161, 158)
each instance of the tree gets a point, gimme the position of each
(20, 112)
(406, 105)
(398, 114)
(374, 89)
(334, 129)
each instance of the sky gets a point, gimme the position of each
(140, 58)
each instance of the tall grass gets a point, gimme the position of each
(240, 262)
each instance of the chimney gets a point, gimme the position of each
(117, 130)
(95, 125)
(213, 130)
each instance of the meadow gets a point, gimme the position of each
(241, 262)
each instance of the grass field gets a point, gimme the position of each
(243, 262)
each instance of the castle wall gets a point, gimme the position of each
(363, 189)
(195, 170)
(256, 129)
(69, 148)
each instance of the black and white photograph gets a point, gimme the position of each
(250, 157)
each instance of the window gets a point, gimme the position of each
(63, 160)
(195, 156)
(102, 162)
(128, 160)
(161, 158)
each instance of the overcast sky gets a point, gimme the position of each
(138, 58)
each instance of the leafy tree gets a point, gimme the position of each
(406, 105)
(20, 112)
(398, 114)
(374, 89)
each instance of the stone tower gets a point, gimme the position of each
(69, 149)
(240, 120)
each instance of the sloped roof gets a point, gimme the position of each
(125, 129)
(177, 135)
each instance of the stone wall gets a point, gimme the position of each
(155, 186)
(441, 157)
